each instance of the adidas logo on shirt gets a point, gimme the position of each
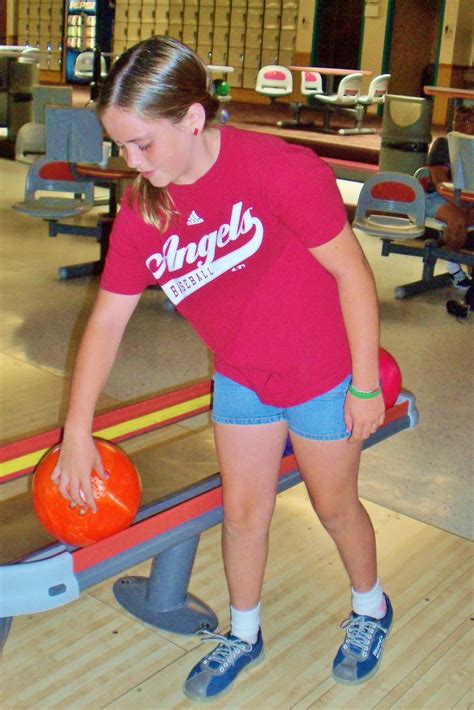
(194, 219)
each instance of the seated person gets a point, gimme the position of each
(457, 218)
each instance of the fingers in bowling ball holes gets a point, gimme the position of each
(117, 499)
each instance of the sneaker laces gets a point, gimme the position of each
(359, 634)
(226, 651)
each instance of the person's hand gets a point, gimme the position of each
(72, 474)
(363, 416)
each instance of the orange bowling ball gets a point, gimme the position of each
(117, 499)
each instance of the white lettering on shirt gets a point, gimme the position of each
(202, 254)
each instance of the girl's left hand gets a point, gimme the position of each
(363, 416)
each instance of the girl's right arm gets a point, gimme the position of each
(95, 358)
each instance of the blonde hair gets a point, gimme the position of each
(157, 78)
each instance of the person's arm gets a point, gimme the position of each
(95, 358)
(345, 260)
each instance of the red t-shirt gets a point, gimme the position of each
(236, 265)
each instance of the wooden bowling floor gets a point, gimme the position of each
(417, 487)
(92, 654)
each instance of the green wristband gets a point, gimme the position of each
(364, 395)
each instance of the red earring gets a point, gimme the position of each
(196, 132)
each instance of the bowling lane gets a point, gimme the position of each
(168, 469)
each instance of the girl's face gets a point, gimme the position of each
(164, 152)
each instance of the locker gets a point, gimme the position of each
(289, 19)
(252, 58)
(133, 31)
(161, 13)
(121, 13)
(285, 58)
(205, 52)
(253, 38)
(45, 12)
(219, 54)
(120, 45)
(206, 16)
(221, 17)
(22, 27)
(205, 35)
(191, 15)
(235, 79)
(272, 19)
(254, 18)
(237, 37)
(148, 13)
(249, 78)
(190, 35)
(120, 31)
(287, 39)
(269, 56)
(134, 13)
(224, 3)
(161, 28)
(238, 17)
(176, 15)
(270, 39)
(147, 30)
(236, 56)
(56, 12)
(175, 32)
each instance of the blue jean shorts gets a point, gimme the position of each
(321, 418)
(433, 202)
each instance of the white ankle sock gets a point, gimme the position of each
(452, 267)
(245, 623)
(371, 603)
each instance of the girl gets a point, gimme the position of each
(248, 237)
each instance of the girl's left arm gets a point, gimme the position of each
(345, 260)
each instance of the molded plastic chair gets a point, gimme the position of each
(461, 158)
(72, 135)
(84, 66)
(71, 197)
(311, 83)
(344, 99)
(274, 81)
(375, 96)
(30, 142)
(391, 206)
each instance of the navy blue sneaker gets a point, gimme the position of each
(359, 656)
(215, 674)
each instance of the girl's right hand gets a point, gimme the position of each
(78, 456)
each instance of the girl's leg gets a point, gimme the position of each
(330, 471)
(456, 225)
(249, 459)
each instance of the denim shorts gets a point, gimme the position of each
(433, 202)
(321, 418)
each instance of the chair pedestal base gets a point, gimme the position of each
(101, 232)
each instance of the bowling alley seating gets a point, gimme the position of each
(461, 158)
(84, 66)
(274, 81)
(31, 138)
(375, 97)
(311, 84)
(343, 100)
(391, 206)
(73, 135)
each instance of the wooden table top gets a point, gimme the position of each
(449, 92)
(116, 169)
(330, 70)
